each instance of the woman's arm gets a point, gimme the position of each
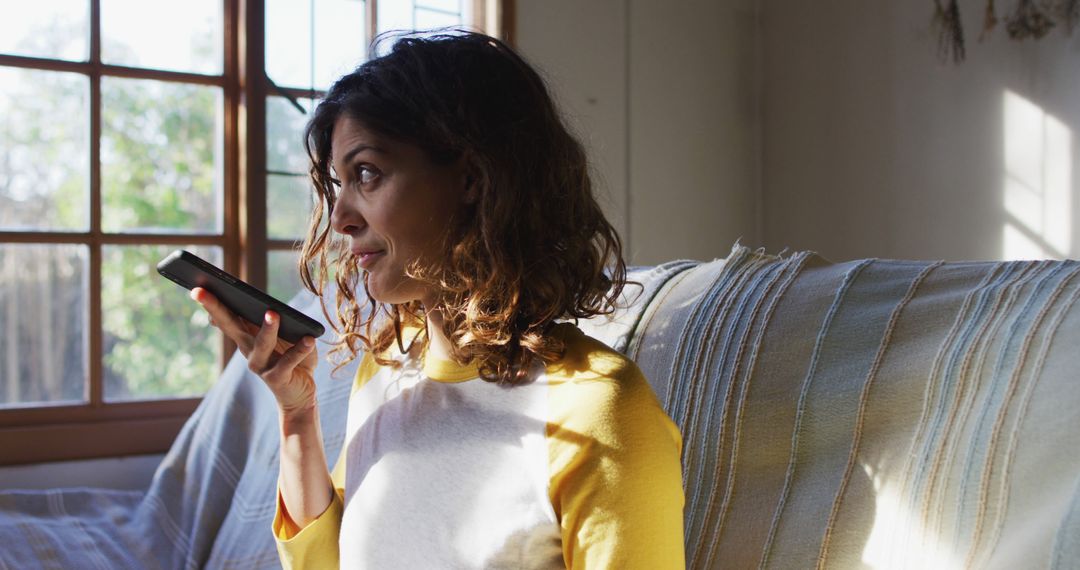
(616, 482)
(304, 481)
(288, 371)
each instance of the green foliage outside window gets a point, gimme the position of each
(161, 172)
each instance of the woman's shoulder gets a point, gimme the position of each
(592, 374)
(601, 394)
(588, 358)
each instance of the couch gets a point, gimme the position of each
(873, 413)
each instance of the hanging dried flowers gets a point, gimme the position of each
(1029, 19)
(950, 30)
(989, 20)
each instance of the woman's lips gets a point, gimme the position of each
(367, 258)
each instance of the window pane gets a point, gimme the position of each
(340, 39)
(427, 19)
(161, 156)
(44, 150)
(43, 316)
(337, 47)
(281, 273)
(285, 135)
(46, 28)
(288, 190)
(288, 42)
(163, 34)
(453, 6)
(289, 202)
(157, 342)
(407, 15)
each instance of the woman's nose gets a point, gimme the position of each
(345, 219)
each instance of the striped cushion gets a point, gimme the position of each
(882, 413)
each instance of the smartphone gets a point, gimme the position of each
(189, 271)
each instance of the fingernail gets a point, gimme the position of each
(194, 294)
(269, 318)
(308, 341)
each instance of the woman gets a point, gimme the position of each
(482, 430)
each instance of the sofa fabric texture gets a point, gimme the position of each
(872, 413)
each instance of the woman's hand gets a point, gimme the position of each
(287, 369)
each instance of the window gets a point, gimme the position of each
(129, 128)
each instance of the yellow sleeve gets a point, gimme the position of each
(316, 545)
(616, 482)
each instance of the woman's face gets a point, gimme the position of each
(395, 205)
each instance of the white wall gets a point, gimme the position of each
(872, 147)
(662, 94)
(831, 126)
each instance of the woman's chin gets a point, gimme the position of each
(391, 294)
(378, 294)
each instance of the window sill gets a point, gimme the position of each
(135, 428)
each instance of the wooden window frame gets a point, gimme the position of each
(95, 428)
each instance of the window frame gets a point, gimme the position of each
(95, 428)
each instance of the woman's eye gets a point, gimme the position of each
(366, 175)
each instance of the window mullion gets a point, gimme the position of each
(248, 259)
(95, 389)
(252, 253)
(234, 145)
(372, 22)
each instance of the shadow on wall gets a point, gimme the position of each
(1037, 183)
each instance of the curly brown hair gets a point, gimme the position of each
(534, 247)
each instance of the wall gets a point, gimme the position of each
(872, 147)
(663, 95)
(831, 126)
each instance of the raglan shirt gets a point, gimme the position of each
(577, 468)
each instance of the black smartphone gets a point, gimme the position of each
(190, 271)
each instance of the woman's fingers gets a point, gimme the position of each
(224, 319)
(285, 368)
(262, 350)
(293, 357)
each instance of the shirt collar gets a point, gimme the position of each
(446, 370)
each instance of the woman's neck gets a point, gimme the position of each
(439, 345)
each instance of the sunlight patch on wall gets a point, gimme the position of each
(1038, 183)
